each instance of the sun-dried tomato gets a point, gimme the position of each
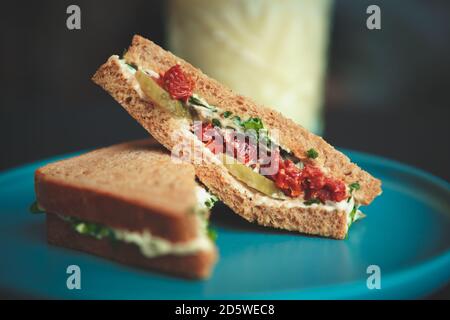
(317, 186)
(179, 85)
(288, 178)
(310, 180)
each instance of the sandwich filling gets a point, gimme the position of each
(247, 149)
(150, 245)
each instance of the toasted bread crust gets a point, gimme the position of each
(146, 54)
(195, 266)
(120, 186)
(158, 123)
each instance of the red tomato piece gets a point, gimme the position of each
(179, 85)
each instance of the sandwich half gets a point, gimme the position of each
(130, 203)
(265, 167)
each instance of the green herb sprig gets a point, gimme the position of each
(227, 114)
(211, 202)
(196, 101)
(212, 234)
(252, 123)
(354, 186)
(216, 123)
(35, 209)
(312, 153)
(95, 230)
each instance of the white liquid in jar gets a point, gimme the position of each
(271, 51)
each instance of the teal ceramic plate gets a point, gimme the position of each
(406, 234)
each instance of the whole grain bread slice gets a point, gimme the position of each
(194, 266)
(133, 186)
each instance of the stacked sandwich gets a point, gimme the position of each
(130, 203)
(265, 167)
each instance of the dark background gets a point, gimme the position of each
(386, 93)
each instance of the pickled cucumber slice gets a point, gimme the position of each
(160, 96)
(251, 178)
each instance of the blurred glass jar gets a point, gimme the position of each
(273, 51)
